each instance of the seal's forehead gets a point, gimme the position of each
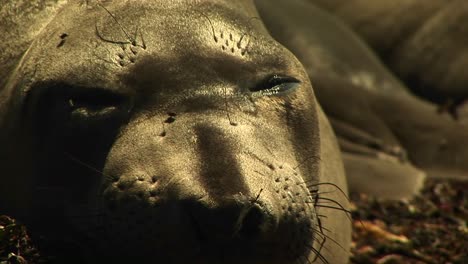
(160, 21)
(96, 40)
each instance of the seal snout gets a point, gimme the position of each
(230, 222)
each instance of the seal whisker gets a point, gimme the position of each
(315, 193)
(132, 41)
(306, 260)
(330, 184)
(255, 156)
(318, 255)
(211, 24)
(321, 216)
(227, 108)
(322, 227)
(101, 37)
(258, 196)
(84, 164)
(334, 207)
(143, 42)
(245, 49)
(319, 234)
(265, 145)
(135, 34)
(102, 58)
(256, 171)
(322, 234)
(322, 246)
(243, 214)
(320, 198)
(304, 161)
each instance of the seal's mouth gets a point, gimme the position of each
(246, 223)
(193, 231)
(245, 233)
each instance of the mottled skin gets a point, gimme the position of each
(143, 131)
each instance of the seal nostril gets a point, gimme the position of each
(228, 223)
(169, 120)
(121, 186)
(252, 222)
(154, 179)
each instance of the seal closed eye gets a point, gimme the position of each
(76, 106)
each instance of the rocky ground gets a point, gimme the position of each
(431, 228)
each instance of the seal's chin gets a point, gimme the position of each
(240, 230)
(248, 233)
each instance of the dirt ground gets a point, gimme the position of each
(431, 228)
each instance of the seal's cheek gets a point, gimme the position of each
(73, 129)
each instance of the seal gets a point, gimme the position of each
(422, 42)
(167, 132)
(186, 131)
(414, 55)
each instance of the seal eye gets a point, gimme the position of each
(73, 115)
(95, 110)
(276, 85)
(94, 104)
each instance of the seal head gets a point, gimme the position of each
(181, 131)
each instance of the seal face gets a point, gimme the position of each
(181, 131)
